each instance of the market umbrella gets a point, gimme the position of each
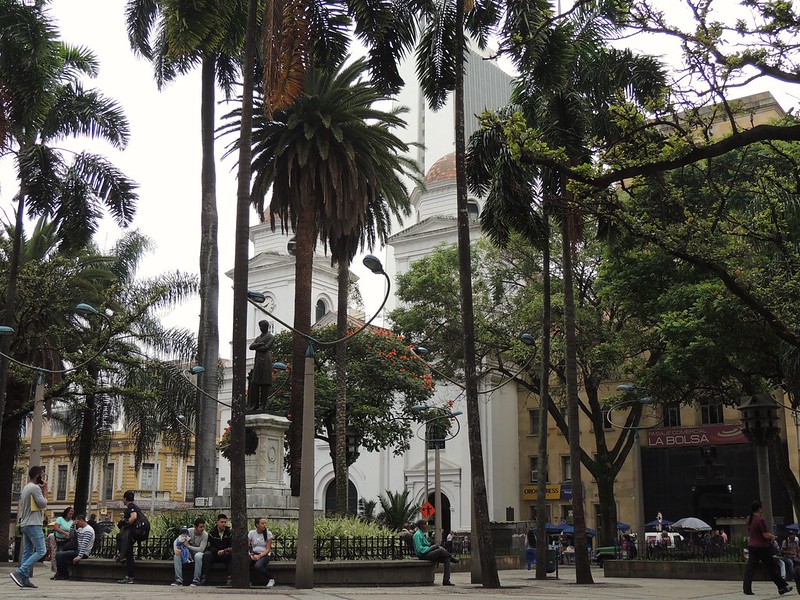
(792, 527)
(654, 523)
(691, 524)
(622, 526)
(570, 530)
(550, 528)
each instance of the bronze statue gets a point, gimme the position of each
(260, 377)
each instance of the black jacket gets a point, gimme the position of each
(217, 541)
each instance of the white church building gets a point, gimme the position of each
(433, 223)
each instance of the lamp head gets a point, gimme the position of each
(455, 414)
(181, 418)
(197, 369)
(256, 297)
(373, 263)
(417, 408)
(527, 339)
(6, 330)
(279, 366)
(627, 387)
(420, 351)
(86, 309)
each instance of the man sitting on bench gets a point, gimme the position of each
(425, 551)
(83, 541)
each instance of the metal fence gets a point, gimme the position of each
(696, 552)
(283, 548)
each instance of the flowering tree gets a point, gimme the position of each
(384, 380)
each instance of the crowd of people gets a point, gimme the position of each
(72, 536)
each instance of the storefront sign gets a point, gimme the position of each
(555, 491)
(695, 436)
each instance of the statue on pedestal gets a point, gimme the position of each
(261, 376)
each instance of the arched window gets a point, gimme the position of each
(320, 310)
(291, 247)
(473, 210)
(352, 498)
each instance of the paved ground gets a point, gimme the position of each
(515, 583)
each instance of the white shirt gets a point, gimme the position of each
(258, 541)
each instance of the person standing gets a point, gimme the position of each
(530, 548)
(425, 551)
(32, 502)
(260, 542)
(220, 540)
(759, 546)
(125, 536)
(84, 534)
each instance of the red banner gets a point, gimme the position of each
(704, 435)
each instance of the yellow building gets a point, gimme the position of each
(165, 480)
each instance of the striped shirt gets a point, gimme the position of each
(85, 540)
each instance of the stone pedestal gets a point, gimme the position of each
(266, 488)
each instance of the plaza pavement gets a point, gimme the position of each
(515, 583)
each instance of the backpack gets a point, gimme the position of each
(141, 527)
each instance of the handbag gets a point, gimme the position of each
(71, 543)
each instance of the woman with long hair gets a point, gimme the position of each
(759, 546)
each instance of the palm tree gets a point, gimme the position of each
(570, 80)
(128, 364)
(396, 510)
(334, 170)
(175, 38)
(39, 110)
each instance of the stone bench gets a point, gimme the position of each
(681, 569)
(328, 573)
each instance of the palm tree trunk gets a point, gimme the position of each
(11, 301)
(9, 446)
(583, 573)
(240, 567)
(208, 333)
(480, 503)
(544, 398)
(340, 461)
(305, 237)
(84, 466)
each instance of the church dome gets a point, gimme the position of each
(442, 170)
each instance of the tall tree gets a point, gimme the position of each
(50, 104)
(570, 103)
(175, 37)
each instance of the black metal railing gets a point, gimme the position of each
(283, 548)
(696, 552)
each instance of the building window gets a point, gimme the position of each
(320, 309)
(108, 482)
(672, 416)
(291, 247)
(16, 487)
(607, 416)
(711, 414)
(190, 484)
(533, 418)
(148, 476)
(61, 484)
(473, 210)
(566, 468)
(534, 464)
(534, 514)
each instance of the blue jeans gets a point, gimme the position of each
(260, 566)
(198, 567)
(530, 557)
(33, 540)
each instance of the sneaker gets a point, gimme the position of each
(29, 584)
(177, 583)
(125, 579)
(271, 583)
(454, 560)
(447, 583)
(194, 584)
(785, 590)
(17, 578)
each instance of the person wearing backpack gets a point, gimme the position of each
(260, 542)
(134, 527)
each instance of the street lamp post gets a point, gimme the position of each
(304, 571)
(760, 426)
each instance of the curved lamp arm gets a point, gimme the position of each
(629, 387)
(372, 263)
(450, 415)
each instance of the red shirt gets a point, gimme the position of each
(756, 528)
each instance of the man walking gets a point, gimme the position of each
(32, 502)
(85, 541)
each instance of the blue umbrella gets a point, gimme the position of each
(570, 530)
(792, 527)
(622, 526)
(654, 523)
(550, 528)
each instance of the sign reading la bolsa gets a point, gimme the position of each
(696, 436)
